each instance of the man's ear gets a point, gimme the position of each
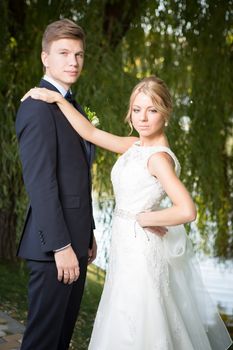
(44, 59)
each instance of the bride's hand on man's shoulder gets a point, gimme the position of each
(42, 94)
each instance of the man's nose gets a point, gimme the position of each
(73, 60)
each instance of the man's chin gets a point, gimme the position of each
(72, 79)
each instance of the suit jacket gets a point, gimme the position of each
(57, 178)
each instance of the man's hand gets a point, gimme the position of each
(92, 252)
(158, 230)
(67, 265)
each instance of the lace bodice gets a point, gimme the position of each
(135, 189)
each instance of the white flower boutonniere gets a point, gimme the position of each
(92, 116)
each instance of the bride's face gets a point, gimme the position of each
(146, 120)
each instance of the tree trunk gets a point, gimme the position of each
(7, 235)
(118, 15)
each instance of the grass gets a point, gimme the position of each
(13, 299)
(13, 290)
(91, 297)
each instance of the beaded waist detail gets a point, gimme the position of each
(130, 216)
(124, 214)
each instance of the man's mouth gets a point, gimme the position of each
(73, 72)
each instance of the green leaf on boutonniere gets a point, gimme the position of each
(92, 116)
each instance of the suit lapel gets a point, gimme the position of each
(47, 85)
(86, 145)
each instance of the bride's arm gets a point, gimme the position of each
(183, 209)
(114, 143)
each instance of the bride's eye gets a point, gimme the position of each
(136, 110)
(153, 110)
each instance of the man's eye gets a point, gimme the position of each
(63, 53)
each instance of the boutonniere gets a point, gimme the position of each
(92, 116)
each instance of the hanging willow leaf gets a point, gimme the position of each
(188, 44)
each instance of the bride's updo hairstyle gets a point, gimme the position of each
(157, 90)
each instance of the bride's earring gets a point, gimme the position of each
(166, 124)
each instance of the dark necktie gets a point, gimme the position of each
(69, 97)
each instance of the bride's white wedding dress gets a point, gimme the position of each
(153, 298)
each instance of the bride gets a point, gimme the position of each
(153, 297)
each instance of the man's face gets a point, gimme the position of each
(64, 61)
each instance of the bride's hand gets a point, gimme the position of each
(43, 94)
(158, 230)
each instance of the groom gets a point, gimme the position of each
(57, 239)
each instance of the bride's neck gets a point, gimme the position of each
(155, 141)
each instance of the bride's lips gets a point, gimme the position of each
(143, 127)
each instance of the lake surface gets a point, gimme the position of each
(218, 278)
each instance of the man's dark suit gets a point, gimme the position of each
(56, 172)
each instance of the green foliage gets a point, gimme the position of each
(91, 298)
(188, 44)
(13, 290)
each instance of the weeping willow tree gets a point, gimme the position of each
(20, 68)
(188, 44)
(211, 133)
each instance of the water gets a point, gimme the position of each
(218, 278)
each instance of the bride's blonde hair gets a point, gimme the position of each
(157, 90)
